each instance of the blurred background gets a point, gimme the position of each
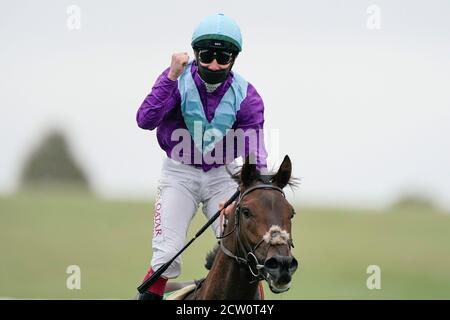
(356, 93)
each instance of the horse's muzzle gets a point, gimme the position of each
(279, 272)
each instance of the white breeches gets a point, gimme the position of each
(181, 189)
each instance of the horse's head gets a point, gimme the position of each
(262, 223)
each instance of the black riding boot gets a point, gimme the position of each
(148, 296)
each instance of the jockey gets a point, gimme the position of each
(206, 116)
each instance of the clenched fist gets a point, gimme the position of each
(179, 61)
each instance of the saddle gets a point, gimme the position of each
(180, 290)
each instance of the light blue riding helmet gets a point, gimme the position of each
(218, 27)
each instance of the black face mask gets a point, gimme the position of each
(213, 77)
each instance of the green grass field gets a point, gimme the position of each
(42, 234)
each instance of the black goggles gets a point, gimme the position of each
(208, 55)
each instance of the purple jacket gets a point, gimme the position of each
(162, 109)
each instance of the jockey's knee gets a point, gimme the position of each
(174, 270)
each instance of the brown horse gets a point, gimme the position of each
(256, 241)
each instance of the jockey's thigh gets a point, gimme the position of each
(176, 204)
(218, 187)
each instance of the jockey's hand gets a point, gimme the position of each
(229, 210)
(179, 61)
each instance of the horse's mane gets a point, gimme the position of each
(211, 256)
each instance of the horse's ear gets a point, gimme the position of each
(281, 178)
(249, 172)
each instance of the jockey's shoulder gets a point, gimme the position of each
(252, 95)
(253, 99)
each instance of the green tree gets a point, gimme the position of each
(414, 200)
(51, 164)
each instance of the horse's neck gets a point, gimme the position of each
(227, 280)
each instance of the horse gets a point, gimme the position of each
(256, 241)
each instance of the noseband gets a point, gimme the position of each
(250, 260)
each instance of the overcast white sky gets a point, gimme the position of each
(364, 114)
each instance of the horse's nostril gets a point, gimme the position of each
(293, 265)
(272, 263)
(279, 263)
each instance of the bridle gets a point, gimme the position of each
(251, 261)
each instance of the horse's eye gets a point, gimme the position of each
(292, 213)
(246, 212)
